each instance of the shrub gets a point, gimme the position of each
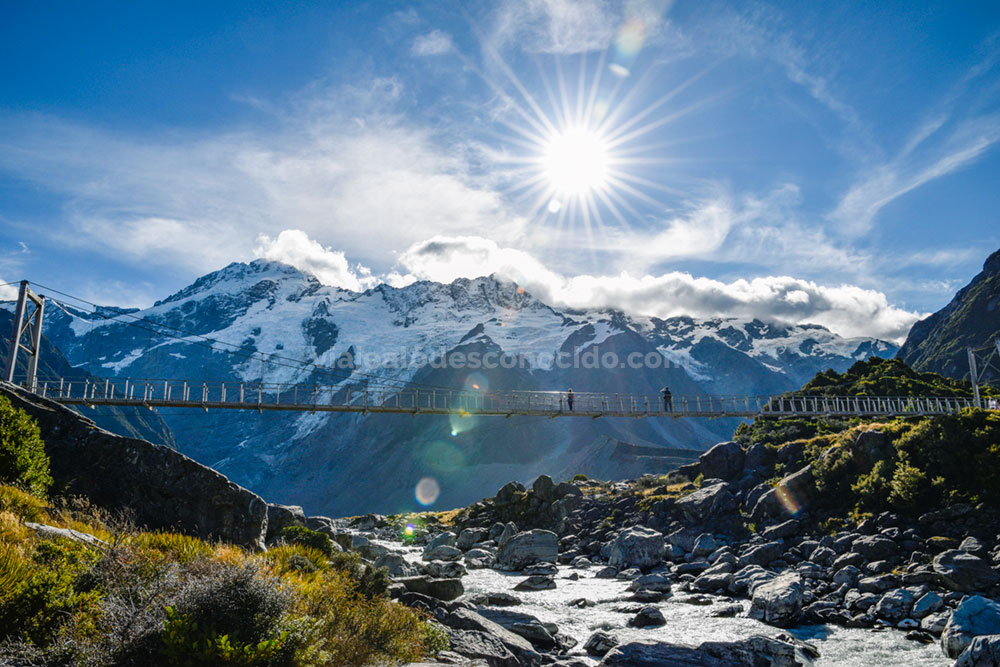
(23, 462)
(21, 503)
(580, 477)
(296, 558)
(308, 538)
(175, 546)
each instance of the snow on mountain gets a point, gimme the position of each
(268, 321)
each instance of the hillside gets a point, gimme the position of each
(971, 319)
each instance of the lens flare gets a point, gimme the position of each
(427, 491)
(408, 531)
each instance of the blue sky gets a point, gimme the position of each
(814, 162)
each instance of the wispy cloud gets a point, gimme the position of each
(434, 43)
(336, 164)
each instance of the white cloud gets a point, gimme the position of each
(7, 292)
(575, 26)
(293, 246)
(434, 43)
(335, 163)
(846, 309)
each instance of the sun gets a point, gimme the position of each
(575, 162)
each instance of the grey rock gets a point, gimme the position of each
(396, 564)
(782, 530)
(566, 489)
(983, 651)
(753, 651)
(280, 517)
(441, 589)
(648, 617)
(447, 538)
(974, 547)
(544, 488)
(470, 537)
(895, 605)
(599, 643)
(637, 547)
(445, 569)
(936, 623)
(608, 572)
(963, 571)
(651, 582)
(537, 582)
(723, 461)
(51, 532)
(442, 552)
(974, 616)
(800, 485)
(528, 548)
(875, 547)
(779, 601)
(762, 554)
(708, 502)
(483, 646)
(465, 619)
(495, 600)
(926, 604)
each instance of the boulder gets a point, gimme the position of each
(442, 552)
(651, 582)
(470, 537)
(446, 538)
(481, 646)
(708, 502)
(756, 650)
(566, 489)
(982, 651)
(723, 461)
(790, 496)
(478, 559)
(440, 569)
(440, 589)
(963, 571)
(280, 517)
(162, 488)
(895, 605)
(465, 619)
(975, 616)
(528, 548)
(782, 530)
(537, 582)
(396, 564)
(544, 488)
(599, 643)
(875, 548)
(762, 554)
(926, 604)
(779, 601)
(638, 547)
(648, 617)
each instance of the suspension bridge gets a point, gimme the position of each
(374, 397)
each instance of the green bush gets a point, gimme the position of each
(580, 477)
(308, 538)
(23, 462)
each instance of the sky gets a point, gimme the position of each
(832, 163)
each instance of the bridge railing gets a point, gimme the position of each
(362, 397)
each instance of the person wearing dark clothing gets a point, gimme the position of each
(668, 401)
(569, 399)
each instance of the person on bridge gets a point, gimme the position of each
(668, 400)
(569, 399)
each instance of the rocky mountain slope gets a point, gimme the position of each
(972, 319)
(269, 321)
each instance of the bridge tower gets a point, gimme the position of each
(27, 325)
(981, 359)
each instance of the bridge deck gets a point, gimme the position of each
(414, 401)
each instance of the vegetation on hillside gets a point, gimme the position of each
(918, 463)
(23, 461)
(142, 598)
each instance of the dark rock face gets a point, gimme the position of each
(961, 571)
(164, 488)
(280, 517)
(971, 319)
(708, 502)
(724, 461)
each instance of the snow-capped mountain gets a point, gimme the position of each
(270, 321)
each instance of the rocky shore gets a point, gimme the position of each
(748, 547)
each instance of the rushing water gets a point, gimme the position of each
(692, 624)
